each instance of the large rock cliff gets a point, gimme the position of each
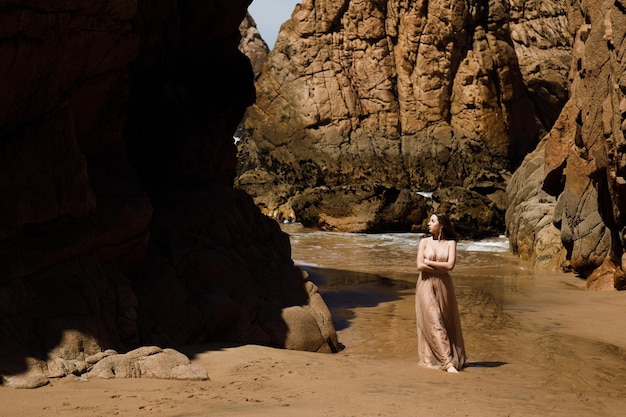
(369, 102)
(119, 226)
(375, 102)
(568, 199)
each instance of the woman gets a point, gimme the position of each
(439, 338)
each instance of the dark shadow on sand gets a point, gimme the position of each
(344, 290)
(495, 364)
(192, 351)
(341, 291)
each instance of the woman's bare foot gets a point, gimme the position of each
(452, 370)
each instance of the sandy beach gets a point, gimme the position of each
(151, 152)
(549, 349)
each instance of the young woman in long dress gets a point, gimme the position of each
(439, 338)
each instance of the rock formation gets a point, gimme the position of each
(402, 95)
(377, 101)
(575, 182)
(252, 45)
(119, 226)
(543, 34)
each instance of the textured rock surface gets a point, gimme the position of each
(143, 362)
(252, 45)
(363, 208)
(401, 94)
(542, 33)
(147, 362)
(119, 226)
(581, 164)
(529, 216)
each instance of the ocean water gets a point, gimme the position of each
(393, 255)
(355, 270)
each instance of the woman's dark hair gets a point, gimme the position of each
(446, 226)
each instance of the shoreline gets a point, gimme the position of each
(552, 349)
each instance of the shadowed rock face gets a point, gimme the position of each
(407, 95)
(119, 226)
(575, 181)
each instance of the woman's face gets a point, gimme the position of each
(433, 225)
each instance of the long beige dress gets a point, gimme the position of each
(439, 337)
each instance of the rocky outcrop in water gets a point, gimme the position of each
(402, 95)
(575, 182)
(119, 226)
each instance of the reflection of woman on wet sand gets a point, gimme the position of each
(439, 338)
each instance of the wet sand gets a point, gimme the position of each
(538, 345)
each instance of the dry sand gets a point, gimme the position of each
(547, 349)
